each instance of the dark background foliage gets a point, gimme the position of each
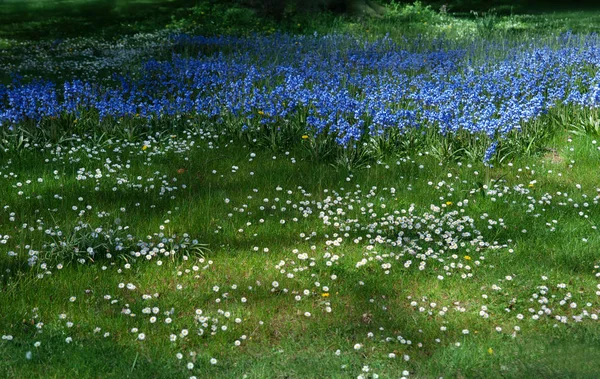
(52, 19)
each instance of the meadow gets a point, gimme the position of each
(408, 196)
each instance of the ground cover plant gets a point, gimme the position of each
(341, 204)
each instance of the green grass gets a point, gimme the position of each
(288, 343)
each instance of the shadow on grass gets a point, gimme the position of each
(83, 358)
(572, 356)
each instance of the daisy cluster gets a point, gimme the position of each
(347, 238)
(91, 231)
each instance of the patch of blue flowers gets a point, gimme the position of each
(335, 85)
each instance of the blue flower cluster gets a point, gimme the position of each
(335, 84)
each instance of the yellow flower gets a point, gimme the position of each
(325, 294)
(530, 185)
(467, 257)
(491, 351)
(305, 137)
(449, 203)
(144, 147)
(261, 113)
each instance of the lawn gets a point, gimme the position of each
(410, 196)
